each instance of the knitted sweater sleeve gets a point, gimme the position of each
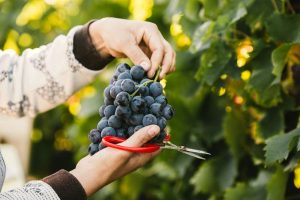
(39, 80)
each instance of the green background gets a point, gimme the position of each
(234, 91)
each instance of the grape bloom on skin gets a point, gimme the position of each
(131, 101)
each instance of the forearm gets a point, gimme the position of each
(44, 77)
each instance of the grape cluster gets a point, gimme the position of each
(131, 102)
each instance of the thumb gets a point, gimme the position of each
(142, 136)
(137, 56)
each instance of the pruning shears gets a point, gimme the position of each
(112, 141)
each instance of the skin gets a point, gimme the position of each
(142, 43)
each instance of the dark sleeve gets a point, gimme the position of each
(66, 186)
(85, 51)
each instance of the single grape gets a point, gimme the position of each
(115, 122)
(149, 100)
(122, 99)
(128, 85)
(109, 111)
(123, 111)
(156, 89)
(108, 131)
(137, 128)
(136, 119)
(93, 148)
(124, 75)
(130, 130)
(121, 133)
(137, 104)
(144, 80)
(162, 100)
(143, 90)
(162, 123)
(108, 101)
(107, 92)
(95, 136)
(101, 146)
(103, 123)
(122, 67)
(114, 91)
(118, 83)
(168, 112)
(156, 109)
(101, 111)
(137, 72)
(149, 119)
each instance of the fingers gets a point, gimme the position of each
(168, 60)
(142, 136)
(137, 56)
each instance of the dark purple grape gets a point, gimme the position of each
(128, 85)
(159, 138)
(162, 100)
(108, 131)
(149, 100)
(130, 130)
(93, 148)
(137, 72)
(101, 111)
(149, 119)
(95, 136)
(115, 122)
(156, 89)
(123, 111)
(109, 111)
(114, 91)
(156, 109)
(124, 75)
(101, 146)
(122, 99)
(137, 104)
(121, 133)
(137, 128)
(103, 123)
(136, 119)
(143, 90)
(162, 123)
(144, 81)
(122, 67)
(107, 92)
(108, 101)
(168, 112)
(118, 83)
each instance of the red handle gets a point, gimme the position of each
(110, 141)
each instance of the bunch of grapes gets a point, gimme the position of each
(131, 102)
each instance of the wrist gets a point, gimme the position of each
(95, 32)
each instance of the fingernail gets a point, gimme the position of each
(145, 65)
(153, 131)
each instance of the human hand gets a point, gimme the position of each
(94, 172)
(140, 41)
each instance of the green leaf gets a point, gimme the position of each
(271, 124)
(249, 191)
(235, 131)
(278, 147)
(277, 185)
(215, 175)
(213, 62)
(261, 85)
(279, 59)
(202, 36)
(192, 9)
(284, 28)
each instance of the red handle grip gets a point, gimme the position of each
(110, 141)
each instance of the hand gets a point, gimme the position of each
(139, 41)
(94, 172)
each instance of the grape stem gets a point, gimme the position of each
(147, 82)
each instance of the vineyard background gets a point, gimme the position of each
(236, 93)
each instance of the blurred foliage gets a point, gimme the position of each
(238, 95)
